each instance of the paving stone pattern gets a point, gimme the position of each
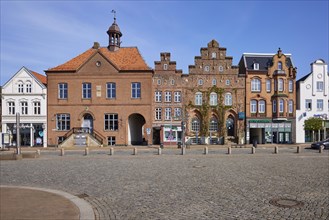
(193, 186)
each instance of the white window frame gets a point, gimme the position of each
(255, 85)
(86, 90)
(62, 90)
(291, 86)
(261, 106)
(136, 90)
(319, 104)
(198, 98)
(227, 82)
(165, 66)
(274, 105)
(177, 96)
(268, 85)
(280, 85)
(158, 96)
(213, 55)
(291, 106)
(111, 122)
(256, 66)
(11, 108)
(308, 104)
(253, 106)
(37, 108)
(228, 99)
(200, 82)
(167, 114)
(20, 87)
(24, 108)
(319, 86)
(28, 87)
(177, 113)
(167, 96)
(281, 105)
(158, 114)
(207, 68)
(111, 90)
(213, 99)
(214, 82)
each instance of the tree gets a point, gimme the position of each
(313, 124)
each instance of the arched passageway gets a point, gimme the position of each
(135, 129)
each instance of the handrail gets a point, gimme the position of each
(79, 130)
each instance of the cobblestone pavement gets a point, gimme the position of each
(192, 186)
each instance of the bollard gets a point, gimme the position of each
(38, 152)
(111, 151)
(159, 151)
(298, 149)
(62, 151)
(86, 151)
(276, 150)
(183, 150)
(321, 149)
(229, 150)
(206, 150)
(135, 151)
(253, 149)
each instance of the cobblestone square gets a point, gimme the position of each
(192, 186)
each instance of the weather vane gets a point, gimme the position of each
(114, 12)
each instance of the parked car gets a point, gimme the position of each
(324, 144)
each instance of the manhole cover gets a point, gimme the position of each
(83, 195)
(286, 203)
(199, 166)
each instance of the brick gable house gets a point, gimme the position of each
(100, 97)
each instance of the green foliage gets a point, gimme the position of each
(313, 124)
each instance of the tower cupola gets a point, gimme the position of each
(114, 35)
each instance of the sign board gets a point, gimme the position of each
(148, 131)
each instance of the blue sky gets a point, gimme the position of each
(43, 34)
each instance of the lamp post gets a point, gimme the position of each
(18, 137)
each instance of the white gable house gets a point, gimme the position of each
(312, 101)
(25, 93)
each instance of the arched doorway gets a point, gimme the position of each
(230, 125)
(135, 129)
(88, 122)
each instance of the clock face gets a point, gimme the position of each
(308, 86)
(319, 75)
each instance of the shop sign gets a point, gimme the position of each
(241, 115)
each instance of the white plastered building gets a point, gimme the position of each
(312, 101)
(25, 93)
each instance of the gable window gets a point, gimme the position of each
(291, 86)
(279, 65)
(111, 90)
(135, 90)
(261, 106)
(206, 68)
(198, 98)
(256, 66)
(308, 104)
(62, 90)
(86, 90)
(24, 108)
(213, 98)
(167, 96)
(20, 87)
(37, 108)
(158, 96)
(159, 81)
(200, 82)
(177, 96)
(172, 82)
(63, 122)
(253, 106)
(319, 86)
(111, 122)
(228, 99)
(11, 108)
(28, 87)
(165, 66)
(227, 82)
(221, 68)
(158, 113)
(268, 85)
(213, 55)
(255, 85)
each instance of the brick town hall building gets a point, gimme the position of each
(102, 96)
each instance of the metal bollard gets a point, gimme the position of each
(276, 150)
(111, 151)
(38, 152)
(229, 150)
(159, 151)
(135, 151)
(253, 150)
(62, 151)
(183, 150)
(206, 150)
(298, 149)
(86, 151)
(321, 149)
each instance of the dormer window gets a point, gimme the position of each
(165, 66)
(256, 66)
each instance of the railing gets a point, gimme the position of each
(82, 130)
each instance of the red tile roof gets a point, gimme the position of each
(41, 78)
(126, 58)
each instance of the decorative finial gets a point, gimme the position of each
(114, 12)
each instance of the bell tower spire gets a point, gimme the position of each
(114, 34)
